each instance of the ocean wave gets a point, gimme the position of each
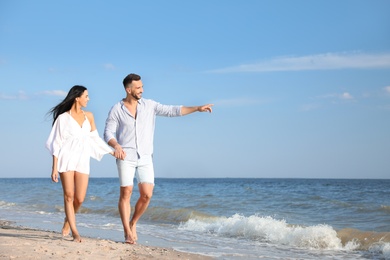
(95, 198)
(268, 229)
(383, 248)
(5, 204)
(108, 211)
(40, 212)
(165, 215)
(372, 242)
(279, 232)
(385, 208)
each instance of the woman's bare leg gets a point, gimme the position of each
(75, 186)
(81, 186)
(65, 228)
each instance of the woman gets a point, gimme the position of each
(72, 141)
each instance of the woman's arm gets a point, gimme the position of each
(54, 171)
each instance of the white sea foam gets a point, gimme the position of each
(352, 245)
(380, 247)
(5, 204)
(40, 212)
(278, 232)
(268, 229)
(385, 208)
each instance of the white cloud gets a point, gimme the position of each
(109, 66)
(6, 97)
(21, 95)
(346, 95)
(59, 93)
(327, 61)
(309, 107)
(387, 89)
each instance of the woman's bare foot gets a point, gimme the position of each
(65, 228)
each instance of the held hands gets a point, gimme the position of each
(119, 153)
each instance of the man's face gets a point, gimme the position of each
(135, 89)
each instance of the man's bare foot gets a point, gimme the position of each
(133, 228)
(77, 238)
(65, 228)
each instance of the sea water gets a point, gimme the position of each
(224, 218)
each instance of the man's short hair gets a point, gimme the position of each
(129, 79)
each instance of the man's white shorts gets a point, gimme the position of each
(142, 169)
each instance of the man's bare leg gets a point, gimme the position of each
(146, 192)
(125, 211)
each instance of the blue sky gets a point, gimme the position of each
(301, 89)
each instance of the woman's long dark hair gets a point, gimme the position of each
(66, 104)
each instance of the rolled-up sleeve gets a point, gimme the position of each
(111, 125)
(167, 110)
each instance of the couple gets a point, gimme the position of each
(129, 130)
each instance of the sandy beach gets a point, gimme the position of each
(25, 243)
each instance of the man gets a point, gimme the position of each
(130, 130)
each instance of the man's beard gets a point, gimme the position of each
(136, 97)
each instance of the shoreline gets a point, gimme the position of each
(18, 242)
